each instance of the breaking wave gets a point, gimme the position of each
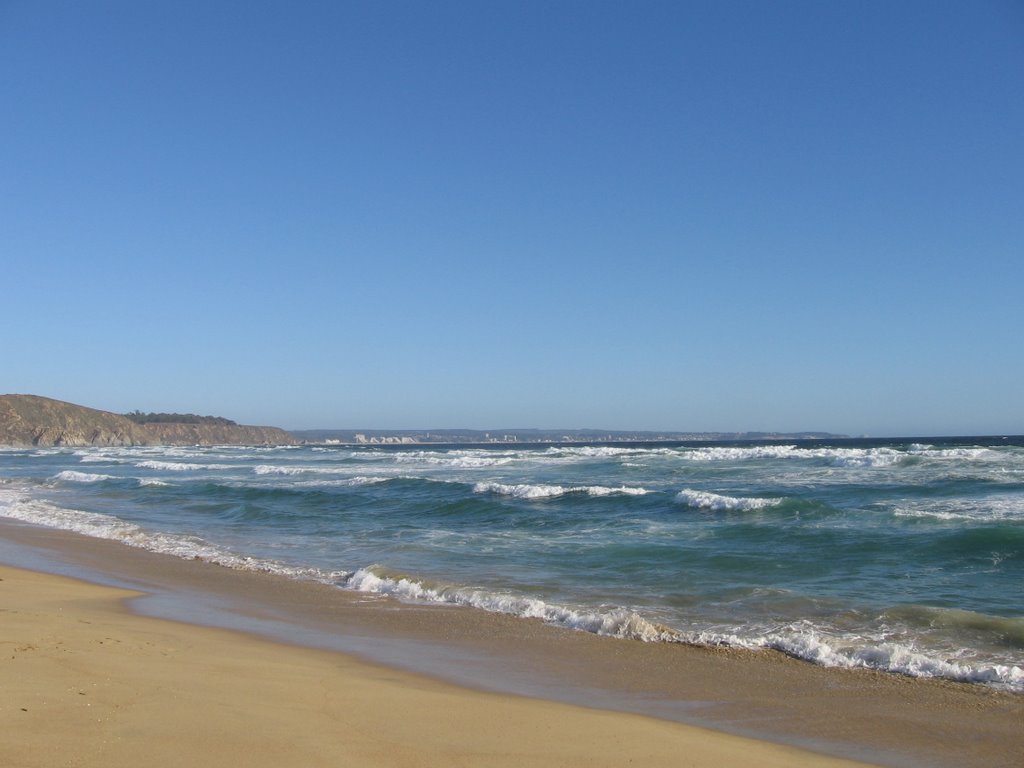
(455, 460)
(804, 642)
(180, 466)
(101, 526)
(526, 491)
(717, 502)
(71, 476)
(839, 457)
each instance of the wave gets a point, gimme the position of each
(180, 466)
(883, 456)
(972, 453)
(620, 622)
(266, 469)
(804, 643)
(717, 502)
(809, 645)
(99, 458)
(101, 526)
(801, 640)
(292, 471)
(606, 451)
(526, 491)
(453, 459)
(724, 453)
(1008, 629)
(841, 457)
(71, 476)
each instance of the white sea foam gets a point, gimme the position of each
(21, 507)
(455, 459)
(294, 470)
(810, 645)
(972, 453)
(605, 451)
(840, 457)
(71, 476)
(725, 453)
(857, 457)
(267, 469)
(303, 470)
(180, 466)
(527, 491)
(802, 640)
(717, 502)
(616, 622)
(804, 643)
(151, 481)
(104, 458)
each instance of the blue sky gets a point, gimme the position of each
(693, 216)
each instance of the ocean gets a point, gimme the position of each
(902, 556)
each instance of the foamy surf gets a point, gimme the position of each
(840, 457)
(718, 502)
(180, 466)
(71, 476)
(20, 507)
(623, 623)
(615, 552)
(528, 491)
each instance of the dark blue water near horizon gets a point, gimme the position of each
(904, 555)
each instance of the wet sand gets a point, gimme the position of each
(306, 674)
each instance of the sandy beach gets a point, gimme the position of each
(87, 683)
(91, 681)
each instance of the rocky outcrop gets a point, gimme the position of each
(32, 420)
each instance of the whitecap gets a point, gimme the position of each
(718, 502)
(71, 476)
(527, 491)
(180, 466)
(458, 460)
(889, 657)
(618, 622)
(840, 457)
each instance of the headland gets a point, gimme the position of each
(31, 420)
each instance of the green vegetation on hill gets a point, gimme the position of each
(178, 418)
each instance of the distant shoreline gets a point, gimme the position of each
(835, 441)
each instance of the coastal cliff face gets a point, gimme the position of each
(32, 420)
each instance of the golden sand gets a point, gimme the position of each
(85, 682)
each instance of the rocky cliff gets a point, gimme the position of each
(32, 420)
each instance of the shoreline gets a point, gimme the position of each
(89, 681)
(876, 717)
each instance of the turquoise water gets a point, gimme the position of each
(901, 556)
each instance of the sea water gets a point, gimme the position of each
(901, 556)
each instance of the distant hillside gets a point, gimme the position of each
(32, 420)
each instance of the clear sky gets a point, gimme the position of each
(637, 215)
